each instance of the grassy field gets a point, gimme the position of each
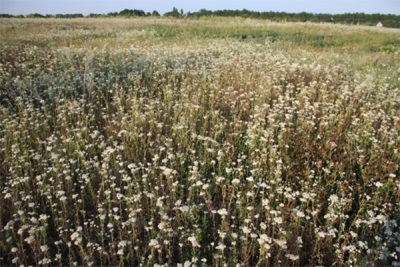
(210, 142)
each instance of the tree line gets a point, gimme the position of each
(388, 20)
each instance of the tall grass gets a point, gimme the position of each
(122, 146)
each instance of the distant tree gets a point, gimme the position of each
(139, 13)
(126, 12)
(303, 16)
(94, 15)
(69, 16)
(35, 15)
(6, 16)
(155, 13)
(388, 20)
(132, 12)
(174, 13)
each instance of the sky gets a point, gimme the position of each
(85, 7)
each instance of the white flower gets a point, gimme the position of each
(153, 243)
(74, 236)
(161, 225)
(131, 166)
(167, 171)
(300, 214)
(29, 239)
(299, 240)
(334, 198)
(378, 184)
(353, 234)
(220, 246)
(235, 181)
(246, 230)
(222, 212)
(381, 218)
(292, 257)
(194, 242)
(43, 217)
(264, 239)
(350, 248)
(160, 202)
(321, 234)
(123, 243)
(249, 193)
(278, 220)
(362, 244)
(281, 243)
(220, 179)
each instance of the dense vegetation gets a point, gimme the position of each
(388, 20)
(212, 142)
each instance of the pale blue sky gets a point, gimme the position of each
(104, 6)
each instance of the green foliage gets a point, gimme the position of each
(174, 13)
(134, 12)
(69, 16)
(35, 15)
(155, 13)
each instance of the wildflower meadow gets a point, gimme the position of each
(198, 142)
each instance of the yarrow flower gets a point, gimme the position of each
(153, 243)
(76, 237)
(194, 242)
(235, 181)
(220, 246)
(223, 212)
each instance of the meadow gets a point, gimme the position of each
(198, 142)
